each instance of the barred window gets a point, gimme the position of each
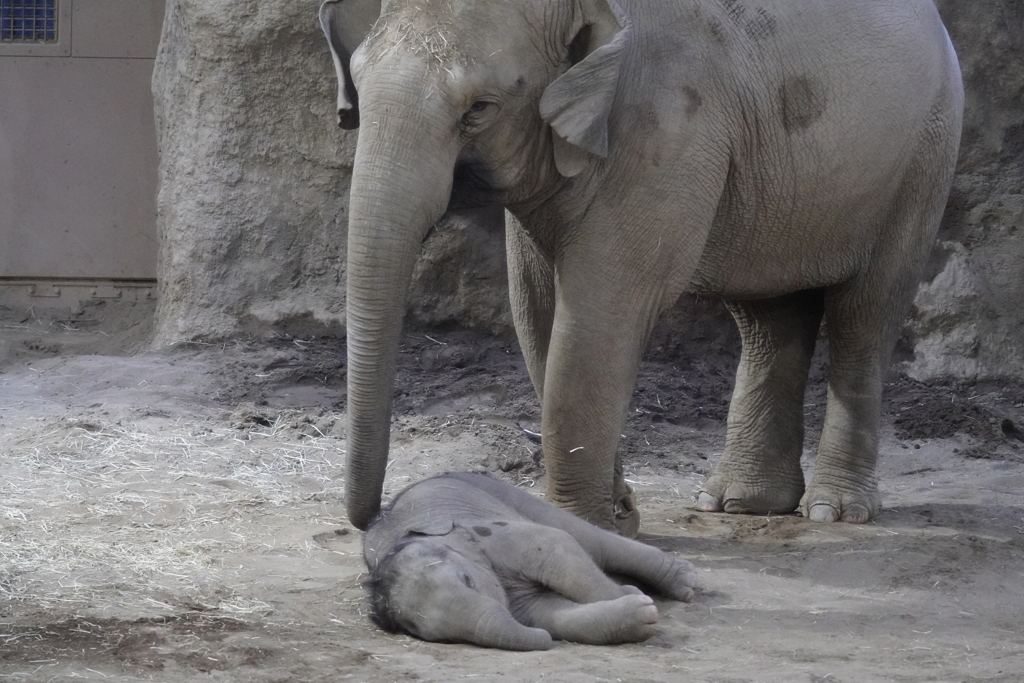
(28, 21)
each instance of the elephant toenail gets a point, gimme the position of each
(856, 514)
(734, 506)
(707, 502)
(822, 511)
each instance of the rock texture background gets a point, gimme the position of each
(254, 176)
(968, 320)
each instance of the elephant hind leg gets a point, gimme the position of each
(627, 619)
(759, 472)
(844, 487)
(864, 317)
(861, 333)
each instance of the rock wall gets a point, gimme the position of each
(251, 206)
(254, 174)
(254, 177)
(968, 316)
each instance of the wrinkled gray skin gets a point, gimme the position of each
(467, 558)
(790, 156)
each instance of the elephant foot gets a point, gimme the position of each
(678, 581)
(830, 503)
(629, 619)
(760, 495)
(620, 516)
(627, 516)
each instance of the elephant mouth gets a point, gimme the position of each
(472, 187)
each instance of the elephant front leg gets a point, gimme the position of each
(591, 369)
(665, 573)
(531, 287)
(531, 280)
(759, 472)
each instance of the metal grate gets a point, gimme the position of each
(28, 21)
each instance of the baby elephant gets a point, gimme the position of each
(467, 558)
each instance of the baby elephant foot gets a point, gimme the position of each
(829, 503)
(679, 581)
(629, 619)
(632, 617)
(761, 496)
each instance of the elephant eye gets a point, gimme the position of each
(468, 580)
(475, 109)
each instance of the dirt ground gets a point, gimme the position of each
(176, 515)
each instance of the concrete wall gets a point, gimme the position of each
(253, 175)
(78, 160)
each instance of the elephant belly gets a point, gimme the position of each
(812, 187)
(816, 220)
(821, 241)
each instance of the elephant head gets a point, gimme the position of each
(440, 592)
(459, 104)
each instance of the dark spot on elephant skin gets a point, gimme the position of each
(718, 31)
(693, 101)
(643, 116)
(762, 26)
(735, 10)
(482, 531)
(501, 524)
(518, 88)
(802, 103)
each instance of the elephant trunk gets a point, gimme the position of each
(398, 191)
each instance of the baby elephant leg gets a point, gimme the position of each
(627, 619)
(550, 557)
(664, 572)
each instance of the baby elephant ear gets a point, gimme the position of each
(346, 23)
(578, 103)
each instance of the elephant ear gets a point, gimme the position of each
(346, 23)
(578, 104)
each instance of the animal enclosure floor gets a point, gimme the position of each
(177, 515)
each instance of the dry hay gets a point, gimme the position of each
(91, 509)
(414, 30)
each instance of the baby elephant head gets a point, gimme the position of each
(440, 590)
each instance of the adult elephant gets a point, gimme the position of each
(790, 156)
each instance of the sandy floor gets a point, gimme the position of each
(177, 516)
